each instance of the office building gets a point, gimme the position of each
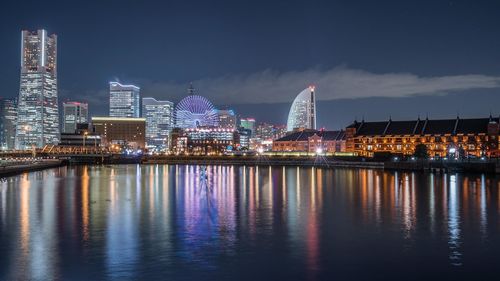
(205, 140)
(159, 117)
(244, 139)
(249, 124)
(264, 131)
(279, 131)
(124, 100)
(37, 111)
(125, 132)
(227, 119)
(74, 113)
(8, 119)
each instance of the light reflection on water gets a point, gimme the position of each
(221, 222)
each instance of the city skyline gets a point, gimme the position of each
(398, 73)
(249, 140)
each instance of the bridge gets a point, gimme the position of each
(73, 154)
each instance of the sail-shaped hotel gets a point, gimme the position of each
(302, 114)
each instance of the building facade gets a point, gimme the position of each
(245, 136)
(126, 132)
(312, 141)
(74, 113)
(124, 100)
(37, 111)
(159, 117)
(227, 119)
(8, 119)
(302, 113)
(81, 140)
(449, 137)
(205, 141)
(265, 131)
(249, 124)
(279, 131)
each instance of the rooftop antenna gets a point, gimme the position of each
(191, 89)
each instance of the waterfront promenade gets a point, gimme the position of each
(491, 166)
(21, 164)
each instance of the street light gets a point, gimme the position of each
(84, 137)
(27, 131)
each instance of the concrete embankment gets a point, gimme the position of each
(480, 166)
(17, 167)
(267, 161)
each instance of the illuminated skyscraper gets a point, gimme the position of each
(74, 113)
(8, 120)
(264, 131)
(124, 100)
(302, 114)
(37, 111)
(227, 119)
(159, 117)
(249, 124)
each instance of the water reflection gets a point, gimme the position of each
(454, 223)
(131, 221)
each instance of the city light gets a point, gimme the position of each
(113, 166)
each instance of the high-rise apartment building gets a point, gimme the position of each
(74, 113)
(159, 117)
(8, 119)
(37, 111)
(124, 100)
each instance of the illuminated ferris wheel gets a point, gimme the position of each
(195, 111)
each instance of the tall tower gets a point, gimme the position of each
(37, 113)
(124, 100)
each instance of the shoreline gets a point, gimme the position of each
(255, 161)
(487, 167)
(20, 167)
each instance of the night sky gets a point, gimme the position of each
(367, 58)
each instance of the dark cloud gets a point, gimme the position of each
(338, 83)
